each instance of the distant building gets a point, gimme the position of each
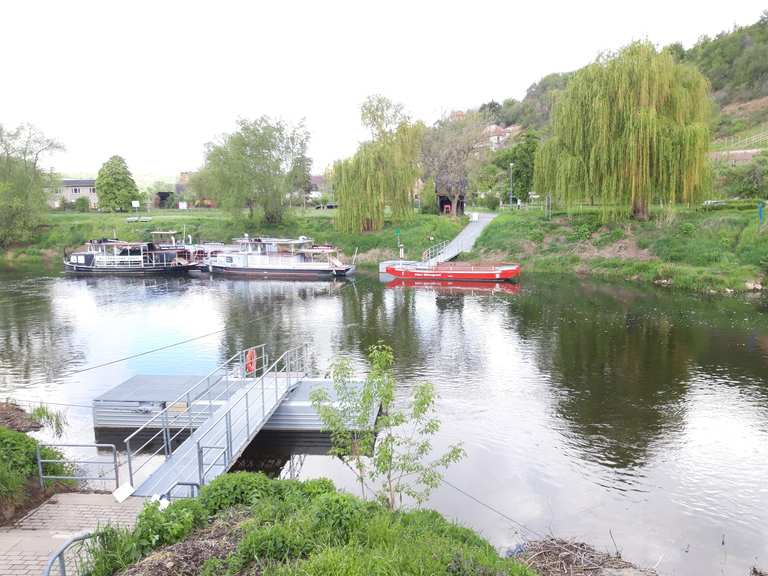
(70, 190)
(495, 136)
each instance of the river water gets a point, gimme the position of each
(590, 411)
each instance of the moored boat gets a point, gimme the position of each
(455, 271)
(283, 257)
(115, 257)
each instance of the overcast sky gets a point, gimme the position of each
(154, 81)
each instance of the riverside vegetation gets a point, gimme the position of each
(246, 523)
(70, 229)
(697, 250)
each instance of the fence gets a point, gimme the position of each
(41, 462)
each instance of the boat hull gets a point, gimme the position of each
(281, 272)
(79, 269)
(456, 286)
(457, 274)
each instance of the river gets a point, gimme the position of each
(592, 411)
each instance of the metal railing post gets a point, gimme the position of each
(166, 435)
(189, 412)
(228, 422)
(262, 394)
(130, 463)
(117, 468)
(40, 466)
(199, 463)
(247, 418)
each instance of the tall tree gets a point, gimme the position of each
(517, 164)
(252, 167)
(383, 172)
(22, 182)
(115, 186)
(450, 150)
(631, 130)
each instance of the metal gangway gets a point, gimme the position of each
(463, 242)
(203, 432)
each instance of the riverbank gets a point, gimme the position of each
(721, 251)
(245, 523)
(67, 230)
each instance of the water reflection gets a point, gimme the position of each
(582, 406)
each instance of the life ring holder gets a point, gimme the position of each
(250, 361)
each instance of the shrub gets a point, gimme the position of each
(82, 205)
(156, 527)
(337, 515)
(235, 489)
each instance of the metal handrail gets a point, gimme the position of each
(433, 251)
(169, 418)
(59, 556)
(291, 360)
(194, 488)
(41, 461)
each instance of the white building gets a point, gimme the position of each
(71, 190)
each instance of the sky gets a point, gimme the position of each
(155, 81)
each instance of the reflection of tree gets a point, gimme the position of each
(270, 312)
(372, 313)
(621, 359)
(36, 343)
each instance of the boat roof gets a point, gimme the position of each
(268, 240)
(165, 232)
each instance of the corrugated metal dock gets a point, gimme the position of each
(192, 438)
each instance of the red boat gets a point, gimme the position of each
(454, 271)
(456, 287)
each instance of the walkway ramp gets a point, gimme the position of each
(239, 398)
(463, 242)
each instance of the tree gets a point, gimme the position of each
(517, 163)
(22, 182)
(253, 167)
(115, 186)
(491, 112)
(450, 150)
(394, 459)
(382, 116)
(383, 172)
(631, 130)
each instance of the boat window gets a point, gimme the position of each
(81, 259)
(229, 259)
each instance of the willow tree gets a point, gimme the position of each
(383, 172)
(630, 130)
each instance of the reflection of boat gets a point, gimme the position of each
(456, 287)
(286, 257)
(455, 271)
(108, 256)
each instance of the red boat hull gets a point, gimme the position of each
(457, 272)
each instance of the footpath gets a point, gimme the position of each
(26, 545)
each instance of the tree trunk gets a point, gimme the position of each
(639, 209)
(454, 206)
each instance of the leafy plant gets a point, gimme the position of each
(55, 420)
(396, 454)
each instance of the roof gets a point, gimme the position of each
(82, 182)
(150, 388)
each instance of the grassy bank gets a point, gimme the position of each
(719, 250)
(19, 480)
(68, 230)
(245, 523)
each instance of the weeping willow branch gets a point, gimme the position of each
(382, 173)
(631, 131)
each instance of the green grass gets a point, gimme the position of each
(699, 250)
(302, 528)
(69, 229)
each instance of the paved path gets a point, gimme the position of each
(26, 545)
(465, 240)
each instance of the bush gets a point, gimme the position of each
(235, 489)
(156, 527)
(490, 200)
(337, 515)
(19, 465)
(82, 205)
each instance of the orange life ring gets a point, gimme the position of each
(250, 361)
